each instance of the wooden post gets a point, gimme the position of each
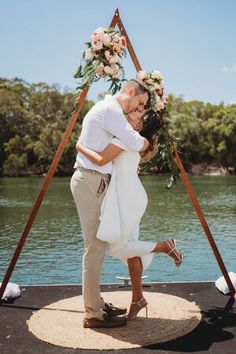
(206, 229)
(187, 184)
(43, 191)
(47, 180)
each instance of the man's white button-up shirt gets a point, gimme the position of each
(104, 121)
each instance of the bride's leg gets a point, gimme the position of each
(138, 301)
(135, 271)
(169, 247)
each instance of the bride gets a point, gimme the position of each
(124, 205)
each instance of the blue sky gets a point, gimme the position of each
(192, 42)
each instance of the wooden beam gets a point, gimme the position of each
(47, 181)
(43, 191)
(187, 183)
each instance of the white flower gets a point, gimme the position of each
(160, 105)
(108, 70)
(158, 99)
(89, 55)
(108, 55)
(165, 98)
(106, 39)
(114, 59)
(156, 86)
(149, 81)
(141, 75)
(156, 75)
(161, 86)
(115, 69)
(103, 29)
(165, 95)
(116, 76)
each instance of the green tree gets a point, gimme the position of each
(222, 135)
(32, 121)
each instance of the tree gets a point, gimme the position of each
(222, 133)
(32, 121)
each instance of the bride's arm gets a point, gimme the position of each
(102, 157)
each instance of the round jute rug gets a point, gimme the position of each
(169, 317)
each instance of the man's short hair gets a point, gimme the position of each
(139, 87)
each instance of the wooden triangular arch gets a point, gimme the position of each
(116, 20)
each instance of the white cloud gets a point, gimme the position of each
(229, 69)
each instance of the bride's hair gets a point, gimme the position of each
(151, 126)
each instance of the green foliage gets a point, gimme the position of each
(222, 134)
(32, 121)
(34, 117)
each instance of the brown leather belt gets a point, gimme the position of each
(94, 172)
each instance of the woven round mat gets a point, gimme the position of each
(169, 317)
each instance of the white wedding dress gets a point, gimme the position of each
(122, 209)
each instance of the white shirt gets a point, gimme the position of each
(104, 121)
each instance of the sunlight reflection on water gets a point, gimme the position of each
(53, 251)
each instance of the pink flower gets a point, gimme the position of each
(123, 42)
(160, 90)
(100, 69)
(117, 45)
(160, 105)
(97, 39)
(165, 98)
(107, 55)
(114, 59)
(98, 35)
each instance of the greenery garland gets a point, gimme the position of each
(166, 141)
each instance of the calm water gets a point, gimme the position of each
(53, 251)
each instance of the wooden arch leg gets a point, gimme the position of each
(47, 180)
(186, 182)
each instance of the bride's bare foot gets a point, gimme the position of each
(173, 252)
(135, 307)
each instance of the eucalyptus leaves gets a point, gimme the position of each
(103, 58)
(166, 142)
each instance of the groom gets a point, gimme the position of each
(89, 184)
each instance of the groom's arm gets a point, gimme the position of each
(116, 124)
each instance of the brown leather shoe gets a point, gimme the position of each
(112, 310)
(107, 322)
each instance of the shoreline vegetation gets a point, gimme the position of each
(33, 118)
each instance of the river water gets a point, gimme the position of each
(53, 251)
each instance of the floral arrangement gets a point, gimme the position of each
(103, 58)
(154, 81)
(166, 142)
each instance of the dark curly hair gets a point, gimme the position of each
(151, 127)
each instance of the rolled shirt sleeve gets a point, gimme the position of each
(119, 143)
(115, 123)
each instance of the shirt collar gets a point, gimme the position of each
(109, 97)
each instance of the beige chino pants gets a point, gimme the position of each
(88, 191)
